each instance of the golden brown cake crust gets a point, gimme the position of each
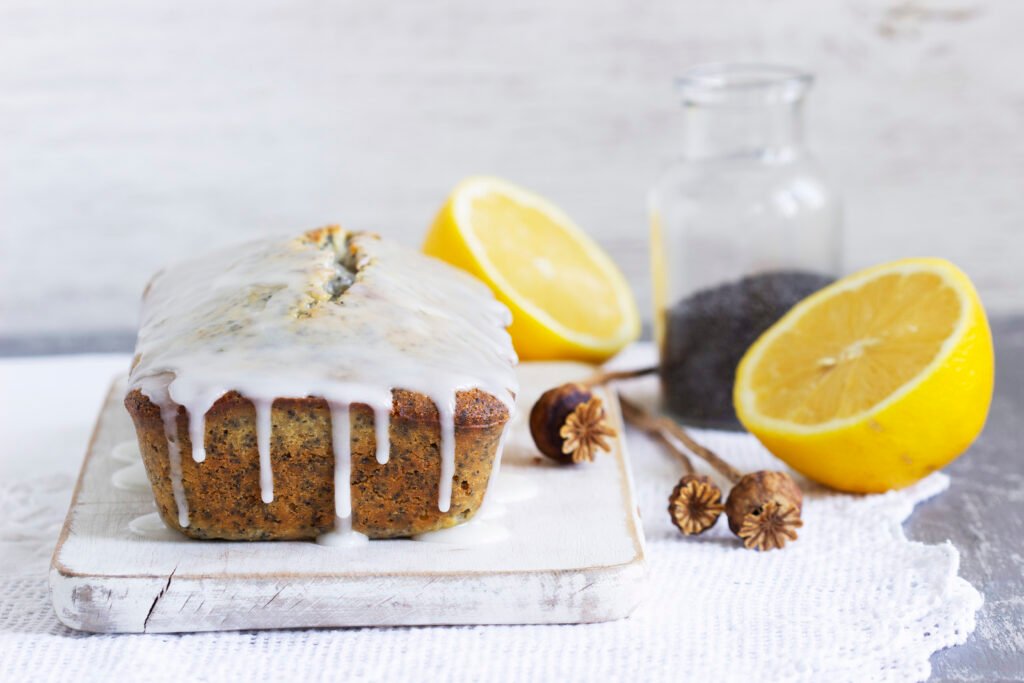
(399, 498)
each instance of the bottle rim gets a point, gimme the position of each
(743, 83)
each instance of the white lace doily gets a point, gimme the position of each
(851, 600)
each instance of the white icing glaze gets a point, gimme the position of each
(263, 429)
(197, 426)
(489, 500)
(131, 478)
(342, 446)
(126, 452)
(151, 526)
(381, 422)
(472, 533)
(486, 527)
(513, 487)
(446, 412)
(156, 388)
(343, 316)
(197, 435)
(343, 535)
(492, 511)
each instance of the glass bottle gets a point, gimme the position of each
(743, 225)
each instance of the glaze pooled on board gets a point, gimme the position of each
(343, 316)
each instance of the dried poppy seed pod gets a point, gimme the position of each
(695, 504)
(756, 489)
(764, 509)
(547, 417)
(568, 424)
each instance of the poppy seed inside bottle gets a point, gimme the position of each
(707, 333)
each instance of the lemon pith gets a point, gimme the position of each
(874, 381)
(568, 299)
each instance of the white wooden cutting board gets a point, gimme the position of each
(575, 553)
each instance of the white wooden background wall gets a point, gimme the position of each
(136, 133)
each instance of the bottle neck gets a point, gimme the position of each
(772, 130)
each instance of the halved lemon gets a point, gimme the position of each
(568, 299)
(875, 381)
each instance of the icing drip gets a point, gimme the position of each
(263, 429)
(127, 452)
(342, 446)
(446, 413)
(472, 533)
(381, 422)
(485, 527)
(513, 488)
(152, 527)
(197, 435)
(343, 316)
(197, 408)
(131, 478)
(343, 534)
(169, 414)
(490, 499)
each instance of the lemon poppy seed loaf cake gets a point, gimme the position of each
(328, 386)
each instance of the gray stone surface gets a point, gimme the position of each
(982, 514)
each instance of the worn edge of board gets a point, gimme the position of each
(90, 602)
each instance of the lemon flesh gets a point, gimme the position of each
(874, 381)
(567, 297)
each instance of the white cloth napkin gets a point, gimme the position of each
(851, 600)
